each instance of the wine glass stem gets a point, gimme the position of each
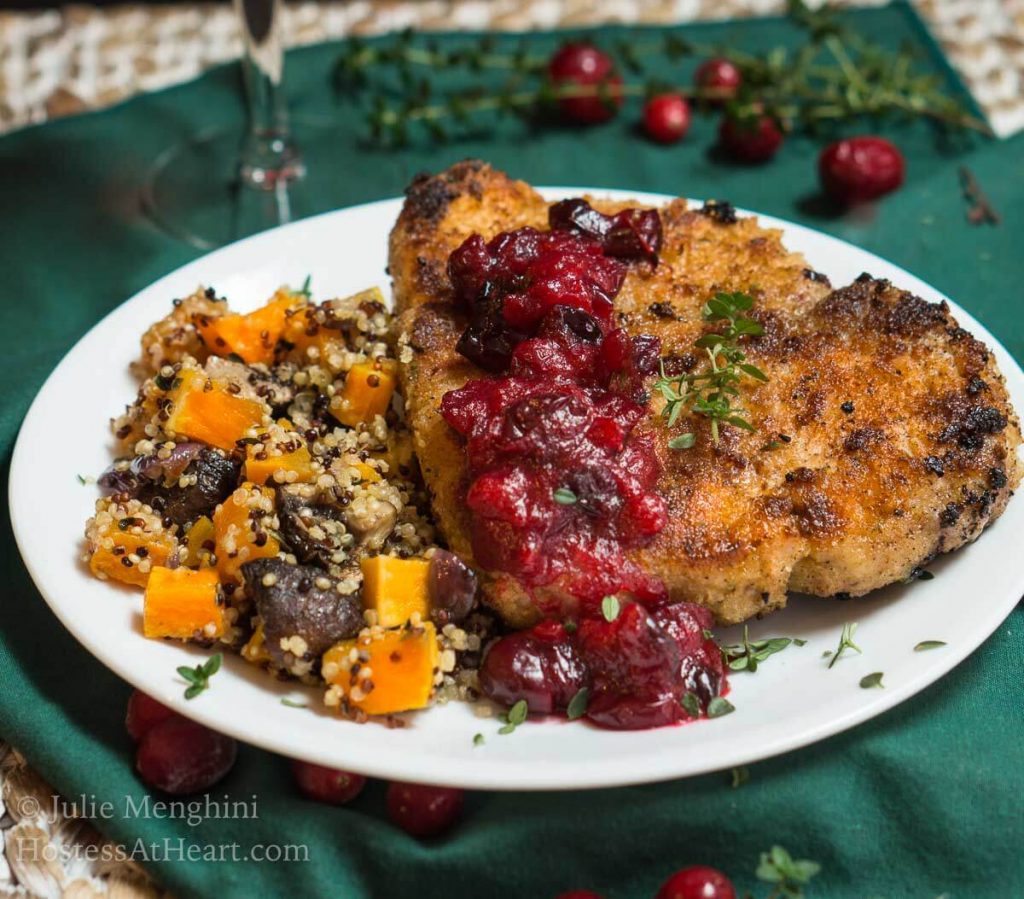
(269, 158)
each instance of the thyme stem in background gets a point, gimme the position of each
(980, 211)
(833, 75)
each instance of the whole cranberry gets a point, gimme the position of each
(585, 65)
(719, 75)
(143, 713)
(698, 882)
(452, 585)
(634, 668)
(538, 666)
(750, 139)
(424, 811)
(667, 118)
(860, 168)
(180, 756)
(327, 784)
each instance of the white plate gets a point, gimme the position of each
(791, 701)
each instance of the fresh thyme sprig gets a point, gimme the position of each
(747, 655)
(711, 392)
(834, 75)
(845, 643)
(788, 875)
(198, 678)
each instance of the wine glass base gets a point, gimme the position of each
(198, 192)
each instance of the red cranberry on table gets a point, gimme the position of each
(585, 65)
(754, 139)
(719, 75)
(667, 118)
(180, 756)
(143, 713)
(698, 882)
(327, 784)
(424, 811)
(860, 168)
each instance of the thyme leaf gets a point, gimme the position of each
(577, 707)
(515, 716)
(610, 608)
(929, 644)
(720, 706)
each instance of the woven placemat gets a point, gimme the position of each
(55, 63)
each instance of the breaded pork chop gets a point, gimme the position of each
(884, 434)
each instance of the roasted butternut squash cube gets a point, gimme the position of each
(241, 526)
(327, 328)
(259, 471)
(255, 650)
(126, 541)
(395, 671)
(399, 453)
(200, 543)
(182, 604)
(203, 409)
(252, 337)
(396, 588)
(366, 393)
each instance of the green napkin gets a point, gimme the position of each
(922, 801)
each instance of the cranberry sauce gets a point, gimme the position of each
(560, 487)
(638, 668)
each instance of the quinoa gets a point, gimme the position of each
(320, 483)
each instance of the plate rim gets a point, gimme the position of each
(590, 775)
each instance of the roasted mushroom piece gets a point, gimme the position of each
(371, 519)
(300, 601)
(324, 528)
(209, 479)
(186, 484)
(312, 528)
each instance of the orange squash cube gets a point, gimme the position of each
(366, 393)
(182, 604)
(398, 675)
(200, 543)
(126, 541)
(259, 471)
(396, 588)
(252, 337)
(240, 537)
(204, 410)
